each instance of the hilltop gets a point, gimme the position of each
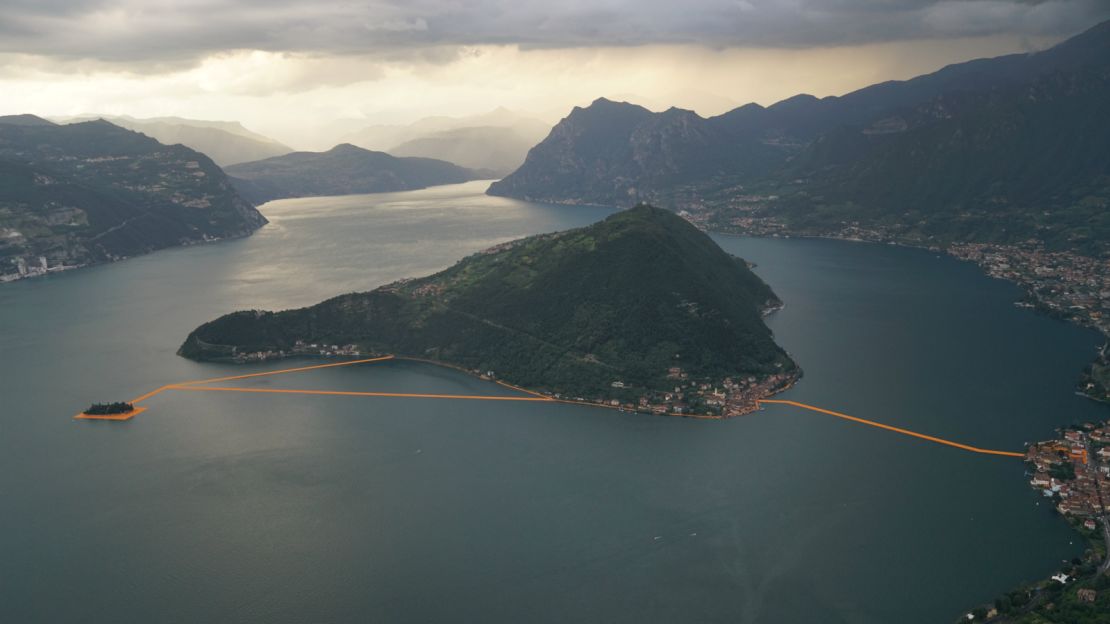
(225, 142)
(343, 170)
(24, 120)
(625, 309)
(85, 193)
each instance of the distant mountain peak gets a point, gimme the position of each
(225, 142)
(25, 120)
(675, 111)
(604, 102)
(347, 148)
(605, 105)
(802, 99)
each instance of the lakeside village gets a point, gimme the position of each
(727, 398)
(28, 267)
(1073, 471)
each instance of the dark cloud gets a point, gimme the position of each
(158, 31)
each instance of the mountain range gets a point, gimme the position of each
(1021, 136)
(225, 142)
(84, 193)
(613, 311)
(496, 142)
(342, 170)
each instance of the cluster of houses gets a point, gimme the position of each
(1069, 284)
(300, 348)
(730, 397)
(25, 267)
(1074, 471)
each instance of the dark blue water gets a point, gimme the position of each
(275, 508)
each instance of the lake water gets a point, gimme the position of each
(273, 508)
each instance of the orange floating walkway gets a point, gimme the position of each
(197, 386)
(184, 384)
(279, 372)
(534, 397)
(872, 423)
(401, 395)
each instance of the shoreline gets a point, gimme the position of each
(124, 416)
(624, 407)
(11, 278)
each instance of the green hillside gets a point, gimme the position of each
(91, 192)
(1001, 166)
(626, 299)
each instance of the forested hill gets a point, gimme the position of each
(626, 299)
(91, 192)
(1003, 166)
(343, 170)
(1007, 139)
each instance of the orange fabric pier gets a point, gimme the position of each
(872, 423)
(401, 395)
(533, 397)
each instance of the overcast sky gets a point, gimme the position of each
(296, 69)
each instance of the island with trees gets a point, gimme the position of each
(109, 409)
(641, 311)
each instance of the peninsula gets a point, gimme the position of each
(641, 311)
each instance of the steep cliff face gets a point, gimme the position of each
(619, 153)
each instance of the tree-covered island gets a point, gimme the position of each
(109, 409)
(640, 310)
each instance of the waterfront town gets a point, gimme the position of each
(727, 398)
(31, 266)
(300, 349)
(1074, 471)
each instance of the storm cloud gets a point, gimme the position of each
(145, 31)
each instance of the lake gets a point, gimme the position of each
(261, 508)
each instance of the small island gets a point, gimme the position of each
(640, 311)
(108, 409)
(118, 410)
